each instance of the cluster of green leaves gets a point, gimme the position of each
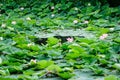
(111, 77)
(22, 58)
(61, 13)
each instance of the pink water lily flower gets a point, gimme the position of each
(70, 39)
(103, 36)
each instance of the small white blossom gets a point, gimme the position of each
(52, 7)
(89, 4)
(1, 38)
(13, 22)
(22, 8)
(86, 22)
(58, 8)
(101, 37)
(105, 35)
(75, 21)
(76, 8)
(52, 15)
(3, 25)
(33, 61)
(1, 4)
(28, 18)
(30, 44)
(111, 29)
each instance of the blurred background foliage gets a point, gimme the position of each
(112, 3)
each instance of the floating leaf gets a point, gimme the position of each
(66, 75)
(0, 60)
(117, 66)
(111, 77)
(44, 63)
(52, 41)
(54, 68)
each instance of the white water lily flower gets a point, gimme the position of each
(3, 25)
(89, 4)
(102, 37)
(111, 29)
(30, 44)
(105, 35)
(28, 18)
(76, 8)
(52, 15)
(33, 61)
(13, 22)
(75, 21)
(22, 8)
(1, 4)
(52, 7)
(1, 38)
(86, 22)
(58, 8)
